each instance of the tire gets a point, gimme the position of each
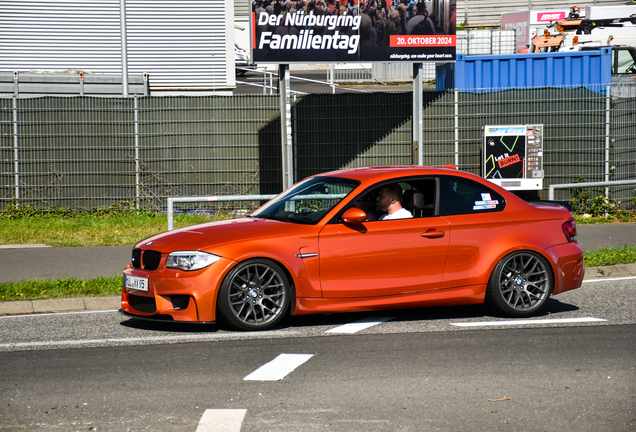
(521, 284)
(254, 295)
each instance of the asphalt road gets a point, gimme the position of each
(91, 262)
(435, 369)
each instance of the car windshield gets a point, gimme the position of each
(308, 201)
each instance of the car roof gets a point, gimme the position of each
(379, 172)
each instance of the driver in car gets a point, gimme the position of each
(389, 201)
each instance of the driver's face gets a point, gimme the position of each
(384, 200)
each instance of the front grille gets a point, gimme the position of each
(142, 304)
(151, 259)
(136, 258)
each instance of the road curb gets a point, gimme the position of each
(114, 302)
(59, 305)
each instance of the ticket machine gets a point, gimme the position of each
(513, 156)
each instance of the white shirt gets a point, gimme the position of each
(400, 214)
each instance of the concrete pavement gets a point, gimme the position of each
(28, 262)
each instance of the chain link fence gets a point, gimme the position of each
(87, 152)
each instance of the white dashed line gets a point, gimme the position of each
(609, 279)
(278, 368)
(527, 321)
(221, 420)
(359, 325)
(37, 315)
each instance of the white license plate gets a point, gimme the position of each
(136, 283)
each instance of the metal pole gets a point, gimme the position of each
(418, 104)
(124, 47)
(137, 165)
(294, 129)
(457, 128)
(285, 125)
(465, 12)
(608, 90)
(16, 165)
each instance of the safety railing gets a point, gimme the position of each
(586, 184)
(215, 198)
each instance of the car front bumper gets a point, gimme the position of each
(176, 295)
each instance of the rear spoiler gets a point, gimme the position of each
(560, 203)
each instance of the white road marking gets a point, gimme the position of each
(278, 368)
(221, 420)
(609, 279)
(528, 321)
(210, 337)
(58, 313)
(359, 325)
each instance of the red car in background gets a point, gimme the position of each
(320, 247)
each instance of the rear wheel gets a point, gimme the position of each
(521, 284)
(254, 296)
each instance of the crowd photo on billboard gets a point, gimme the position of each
(334, 31)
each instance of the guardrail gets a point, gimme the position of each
(216, 198)
(586, 184)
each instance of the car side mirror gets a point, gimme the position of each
(354, 216)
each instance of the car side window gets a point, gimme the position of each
(462, 196)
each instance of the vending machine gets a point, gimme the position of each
(513, 156)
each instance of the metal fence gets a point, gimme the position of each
(85, 152)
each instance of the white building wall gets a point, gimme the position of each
(183, 45)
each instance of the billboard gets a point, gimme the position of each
(357, 31)
(513, 156)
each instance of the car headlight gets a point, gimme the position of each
(190, 260)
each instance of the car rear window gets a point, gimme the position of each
(462, 196)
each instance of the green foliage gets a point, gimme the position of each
(61, 288)
(14, 211)
(612, 256)
(584, 203)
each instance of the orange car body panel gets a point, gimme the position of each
(337, 267)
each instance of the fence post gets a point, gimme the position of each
(457, 128)
(124, 47)
(137, 167)
(285, 125)
(608, 90)
(16, 164)
(418, 108)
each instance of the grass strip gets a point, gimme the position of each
(611, 256)
(42, 289)
(90, 230)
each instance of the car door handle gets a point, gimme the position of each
(432, 233)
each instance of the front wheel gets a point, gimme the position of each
(254, 296)
(521, 284)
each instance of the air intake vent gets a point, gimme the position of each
(142, 304)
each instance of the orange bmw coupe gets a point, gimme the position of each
(357, 240)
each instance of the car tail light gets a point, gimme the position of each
(569, 230)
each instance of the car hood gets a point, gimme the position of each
(210, 235)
